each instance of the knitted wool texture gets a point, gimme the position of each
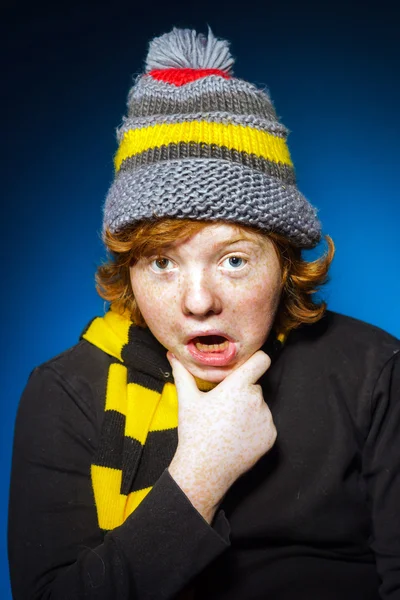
(199, 144)
(138, 410)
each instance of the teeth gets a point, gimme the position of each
(212, 347)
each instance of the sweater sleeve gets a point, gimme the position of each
(382, 473)
(56, 549)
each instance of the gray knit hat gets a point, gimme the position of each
(198, 143)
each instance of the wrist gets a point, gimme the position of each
(197, 490)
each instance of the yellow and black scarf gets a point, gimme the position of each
(139, 433)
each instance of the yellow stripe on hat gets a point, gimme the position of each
(235, 137)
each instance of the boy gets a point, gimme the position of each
(264, 464)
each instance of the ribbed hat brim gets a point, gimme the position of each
(208, 189)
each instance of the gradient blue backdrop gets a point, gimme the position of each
(333, 75)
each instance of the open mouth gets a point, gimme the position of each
(211, 343)
(212, 350)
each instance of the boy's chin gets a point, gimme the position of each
(210, 375)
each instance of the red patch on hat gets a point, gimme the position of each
(180, 77)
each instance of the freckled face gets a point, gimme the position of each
(213, 280)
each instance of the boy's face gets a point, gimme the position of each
(212, 281)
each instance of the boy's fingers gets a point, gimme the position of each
(184, 381)
(251, 371)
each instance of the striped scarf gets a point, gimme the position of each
(139, 434)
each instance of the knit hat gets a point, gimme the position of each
(198, 143)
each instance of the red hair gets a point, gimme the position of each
(300, 279)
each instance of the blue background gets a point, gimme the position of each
(333, 71)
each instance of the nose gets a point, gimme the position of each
(200, 294)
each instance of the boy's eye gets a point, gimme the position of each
(237, 262)
(160, 263)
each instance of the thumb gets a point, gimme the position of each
(184, 381)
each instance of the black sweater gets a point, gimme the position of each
(317, 517)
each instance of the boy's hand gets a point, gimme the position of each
(221, 433)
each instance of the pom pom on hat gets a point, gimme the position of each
(187, 49)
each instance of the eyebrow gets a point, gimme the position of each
(235, 240)
(222, 244)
